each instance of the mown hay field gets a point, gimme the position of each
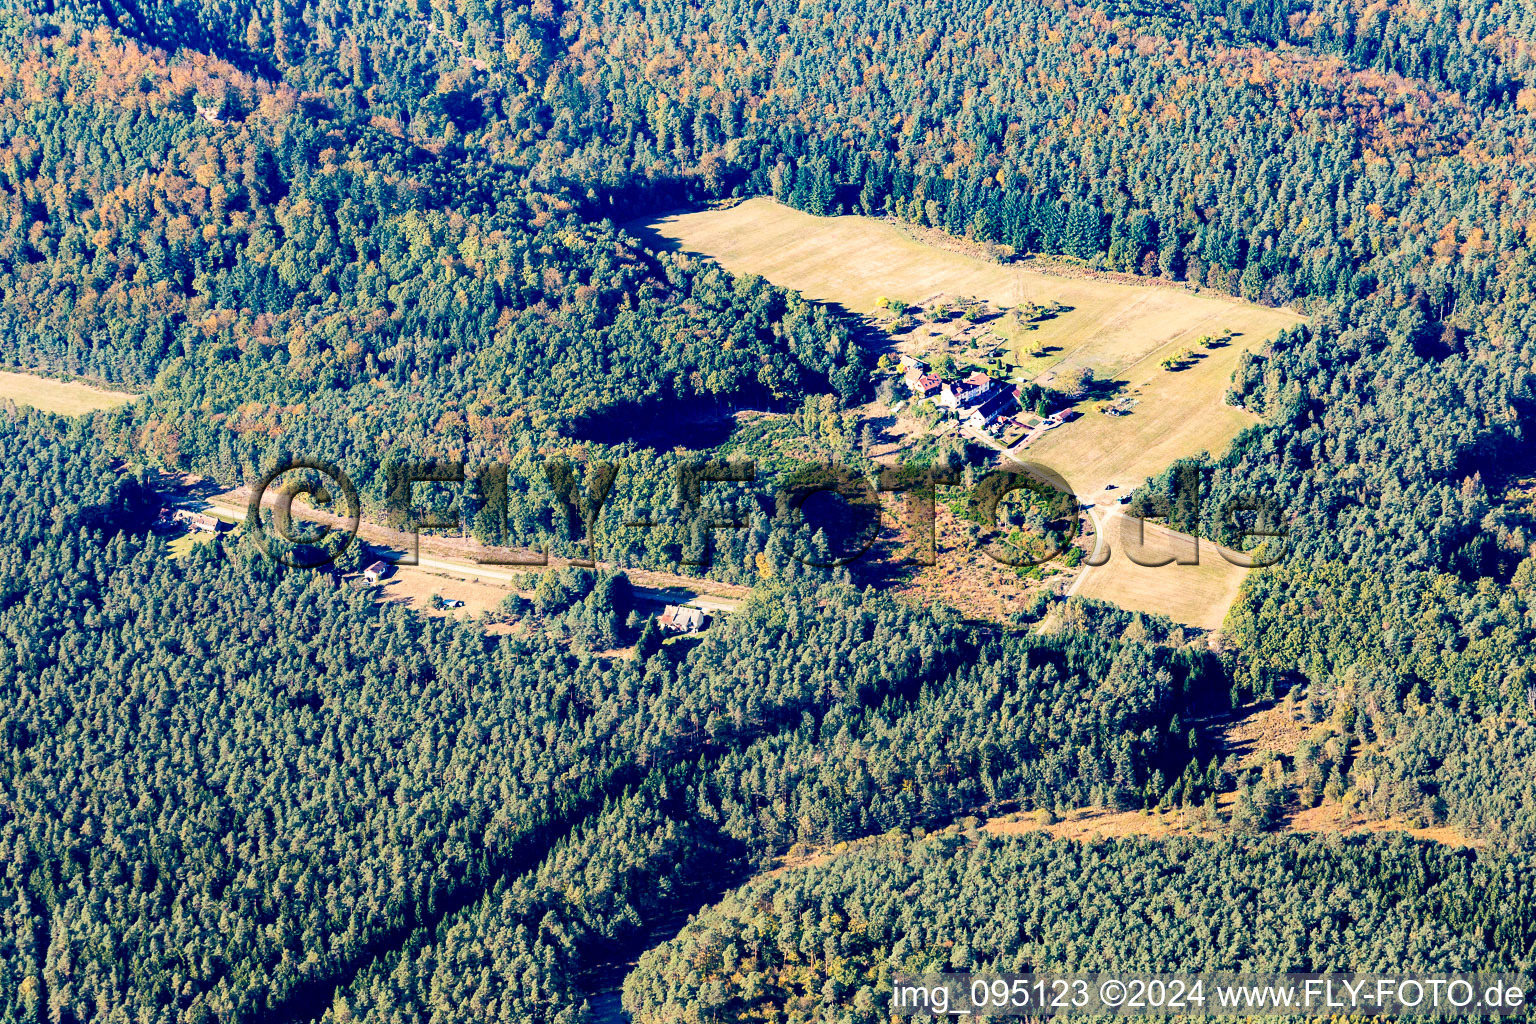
(69, 398)
(1122, 332)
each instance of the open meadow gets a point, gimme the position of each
(1163, 357)
(1121, 332)
(1176, 414)
(1195, 595)
(69, 398)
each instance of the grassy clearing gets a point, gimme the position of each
(1176, 413)
(181, 545)
(1195, 595)
(1122, 332)
(68, 398)
(854, 261)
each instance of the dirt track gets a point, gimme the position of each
(458, 557)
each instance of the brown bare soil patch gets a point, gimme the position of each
(1333, 818)
(962, 577)
(1263, 729)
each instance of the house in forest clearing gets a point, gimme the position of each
(377, 571)
(682, 619)
(197, 520)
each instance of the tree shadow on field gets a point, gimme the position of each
(865, 334)
(1100, 390)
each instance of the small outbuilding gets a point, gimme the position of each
(377, 571)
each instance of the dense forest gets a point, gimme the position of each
(247, 778)
(372, 232)
(958, 901)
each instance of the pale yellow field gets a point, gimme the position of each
(853, 261)
(1120, 331)
(69, 398)
(415, 586)
(1176, 414)
(1194, 595)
